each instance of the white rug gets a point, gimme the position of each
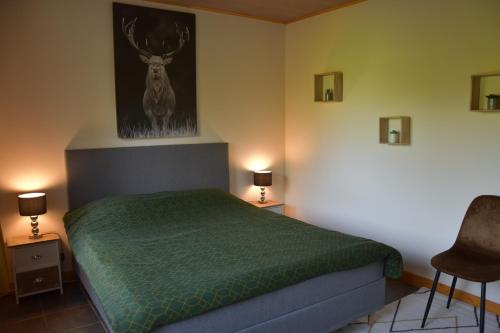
(406, 315)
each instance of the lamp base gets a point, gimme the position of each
(34, 228)
(262, 195)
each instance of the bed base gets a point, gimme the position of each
(324, 316)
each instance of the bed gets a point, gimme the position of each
(193, 258)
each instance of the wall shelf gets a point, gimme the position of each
(481, 86)
(400, 124)
(328, 81)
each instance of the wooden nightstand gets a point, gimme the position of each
(36, 264)
(273, 206)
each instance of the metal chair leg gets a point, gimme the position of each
(431, 297)
(482, 308)
(452, 290)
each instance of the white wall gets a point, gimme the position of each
(398, 57)
(57, 92)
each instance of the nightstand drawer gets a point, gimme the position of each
(40, 279)
(276, 209)
(34, 257)
(270, 205)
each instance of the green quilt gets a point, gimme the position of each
(160, 258)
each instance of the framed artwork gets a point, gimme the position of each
(155, 72)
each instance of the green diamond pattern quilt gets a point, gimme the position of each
(160, 258)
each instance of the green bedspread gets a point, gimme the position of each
(160, 258)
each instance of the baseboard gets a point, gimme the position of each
(420, 281)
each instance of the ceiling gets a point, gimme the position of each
(280, 11)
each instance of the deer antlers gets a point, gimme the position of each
(183, 37)
(129, 30)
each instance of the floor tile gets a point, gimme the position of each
(73, 296)
(396, 289)
(36, 325)
(70, 319)
(95, 328)
(28, 307)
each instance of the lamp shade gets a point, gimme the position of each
(32, 204)
(262, 178)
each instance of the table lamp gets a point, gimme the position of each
(262, 179)
(32, 205)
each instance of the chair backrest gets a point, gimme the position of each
(480, 231)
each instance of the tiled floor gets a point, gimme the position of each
(395, 289)
(72, 312)
(50, 312)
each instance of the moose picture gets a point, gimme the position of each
(155, 72)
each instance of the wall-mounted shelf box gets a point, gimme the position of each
(325, 81)
(481, 86)
(400, 124)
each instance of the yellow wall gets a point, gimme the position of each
(57, 91)
(399, 57)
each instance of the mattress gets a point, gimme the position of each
(154, 260)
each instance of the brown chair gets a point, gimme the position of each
(475, 256)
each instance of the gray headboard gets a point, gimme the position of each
(97, 173)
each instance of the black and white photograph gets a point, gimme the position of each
(155, 72)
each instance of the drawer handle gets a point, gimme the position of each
(36, 257)
(38, 280)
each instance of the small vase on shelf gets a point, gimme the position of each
(394, 137)
(493, 102)
(328, 95)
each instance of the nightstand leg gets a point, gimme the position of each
(60, 280)
(15, 289)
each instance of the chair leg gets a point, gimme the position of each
(482, 308)
(452, 290)
(431, 297)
